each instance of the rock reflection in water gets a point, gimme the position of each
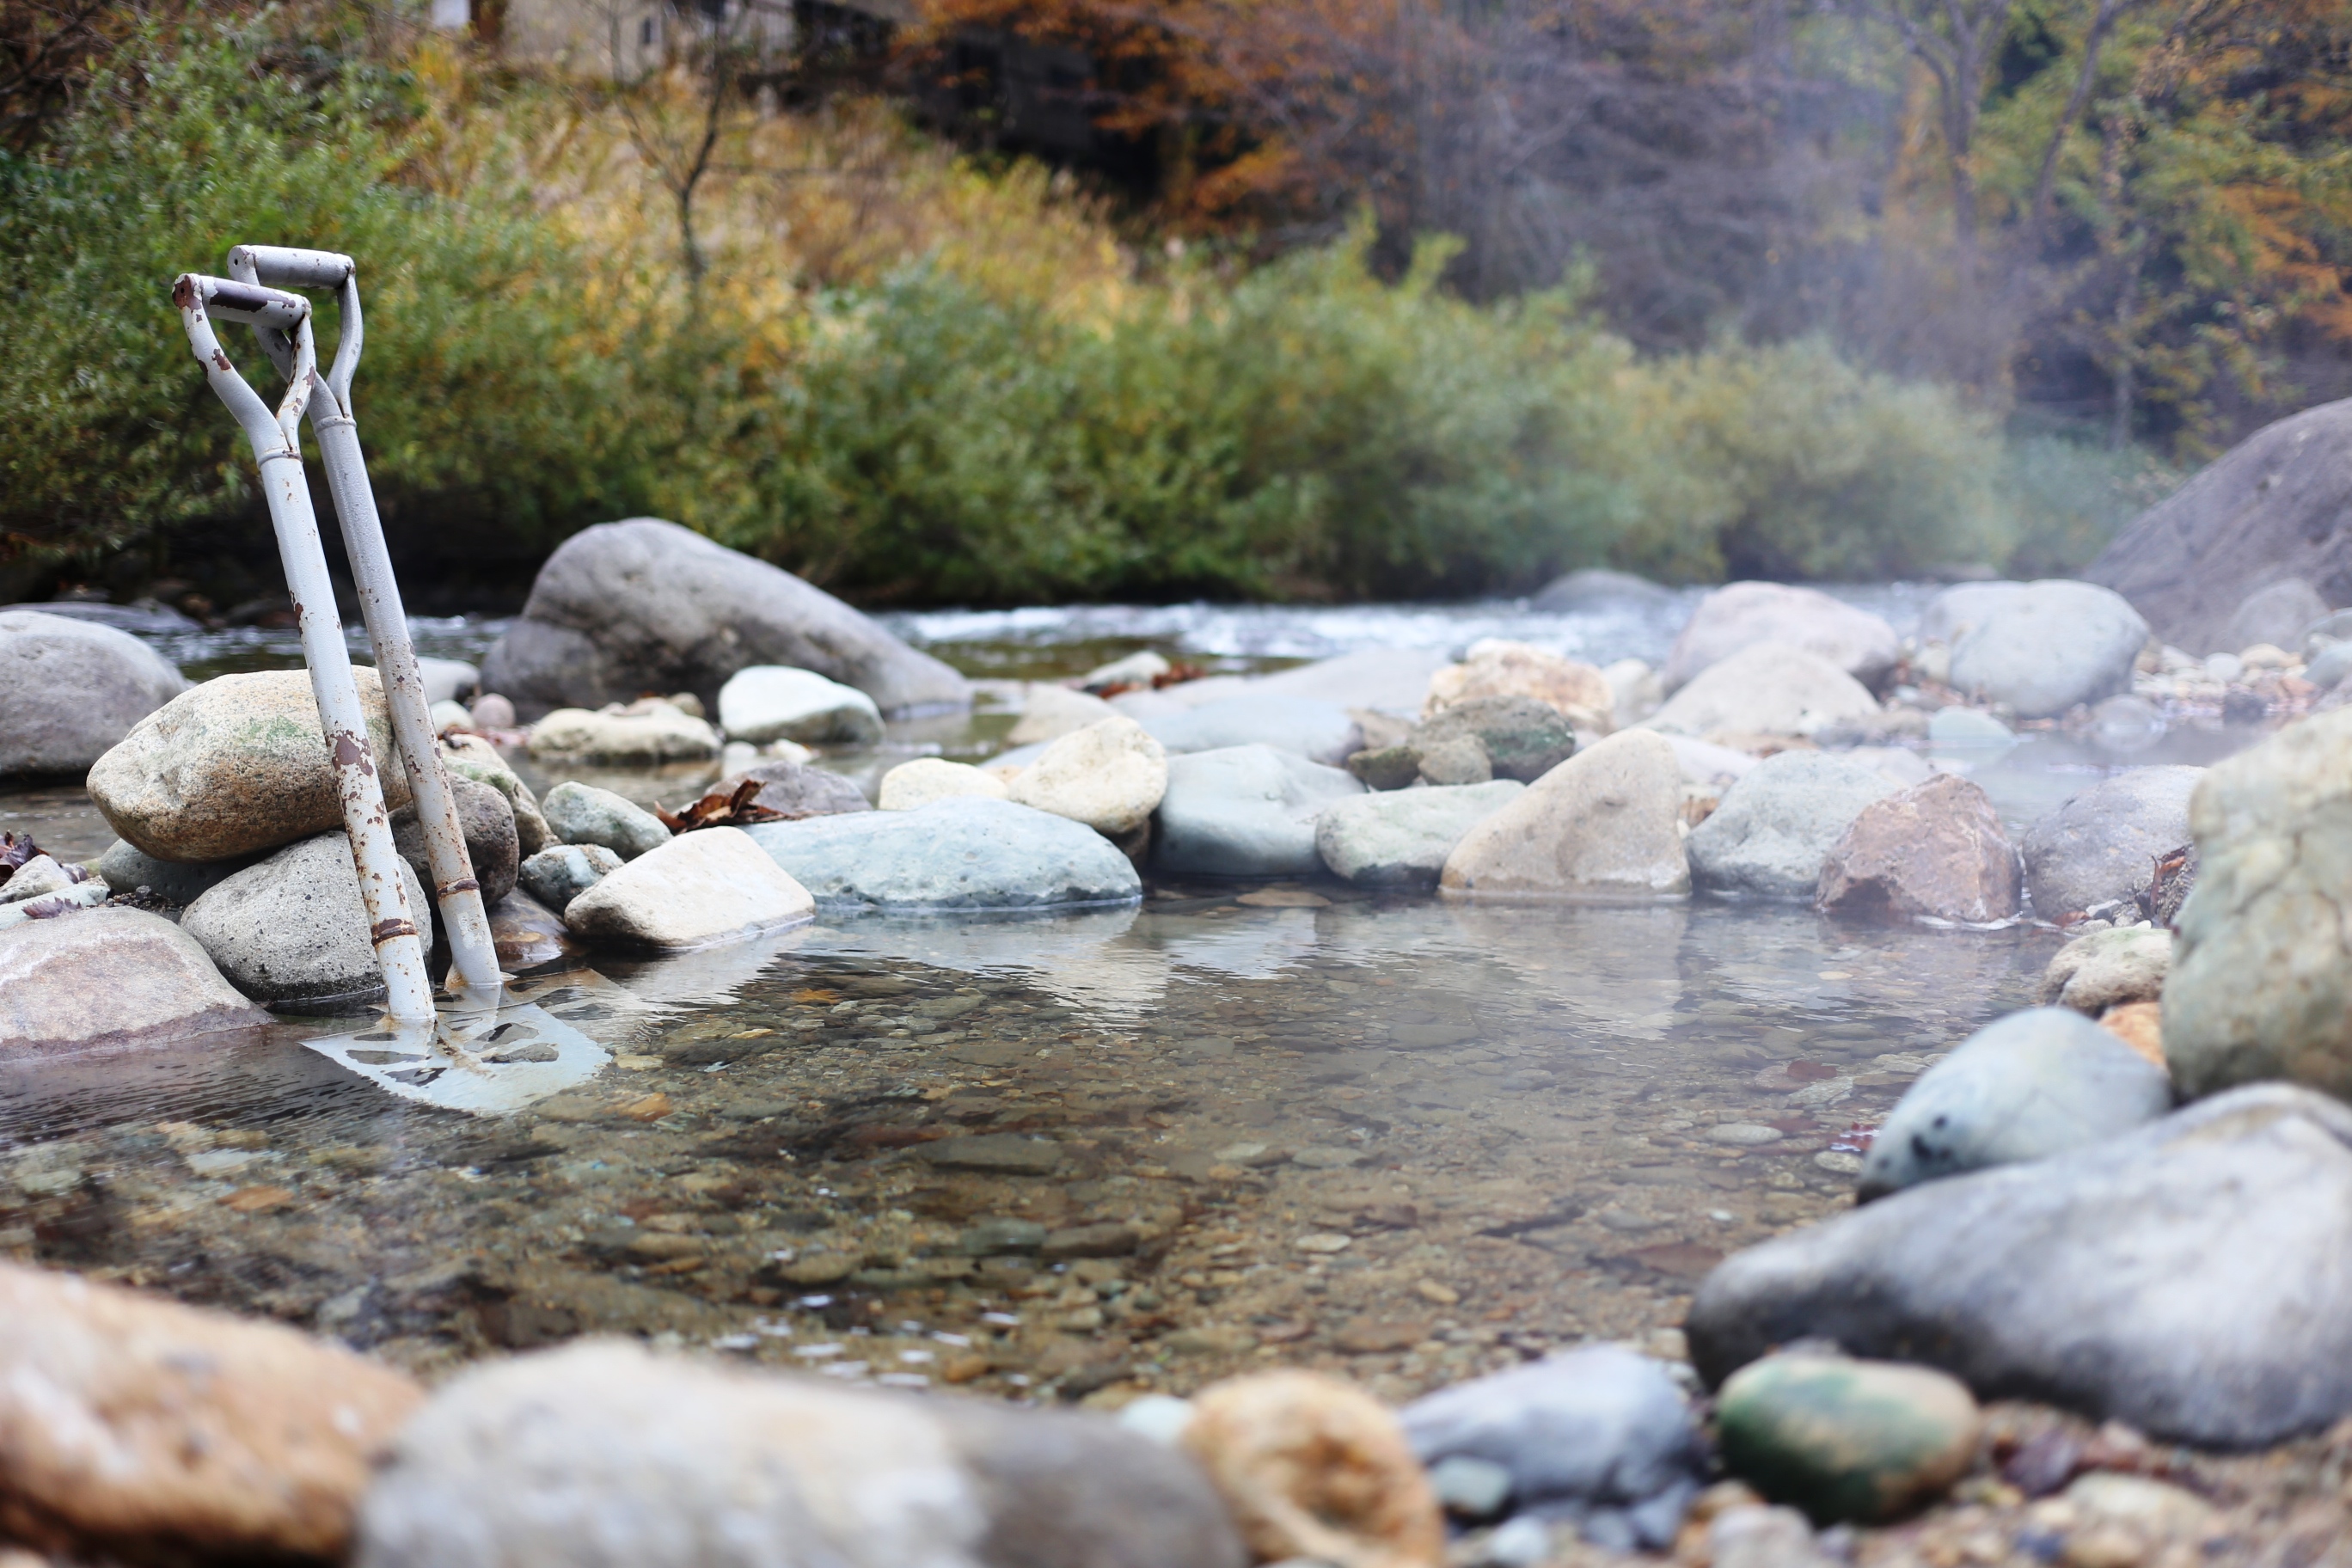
(1134, 1148)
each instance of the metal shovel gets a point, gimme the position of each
(473, 1054)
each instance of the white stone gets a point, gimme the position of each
(708, 885)
(1496, 666)
(1608, 821)
(776, 703)
(1742, 614)
(1402, 837)
(927, 779)
(1766, 687)
(1048, 712)
(1109, 776)
(447, 680)
(658, 733)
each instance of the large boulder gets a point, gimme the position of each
(134, 1429)
(2261, 984)
(1606, 822)
(1779, 820)
(1244, 811)
(1400, 839)
(2101, 846)
(2047, 647)
(1109, 776)
(236, 766)
(1742, 614)
(1318, 730)
(643, 606)
(602, 1454)
(291, 931)
(709, 886)
(965, 853)
(2188, 1278)
(71, 689)
(2033, 1084)
(1934, 849)
(2276, 505)
(1765, 688)
(488, 824)
(110, 979)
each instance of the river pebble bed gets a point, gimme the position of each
(1123, 1151)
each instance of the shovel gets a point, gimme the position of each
(477, 1051)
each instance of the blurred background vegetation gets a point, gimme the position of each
(1326, 298)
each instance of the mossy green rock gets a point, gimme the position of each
(1843, 1439)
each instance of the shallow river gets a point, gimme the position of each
(1070, 1156)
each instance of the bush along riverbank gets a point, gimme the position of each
(980, 394)
(1877, 1356)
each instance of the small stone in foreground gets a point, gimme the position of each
(1846, 1440)
(709, 886)
(110, 979)
(583, 814)
(1936, 850)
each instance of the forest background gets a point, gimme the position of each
(1386, 297)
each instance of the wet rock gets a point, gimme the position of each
(1860, 1441)
(472, 757)
(114, 978)
(71, 690)
(1048, 711)
(1458, 761)
(603, 1454)
(1765, 688)
(1607, 821)
(1598, 1436)
(236, 766)
(136, 1429)
(2187, 1277)
(2261, 984)
(2048, 646)
(2033, 1084)
(37, 877)
(1779, 821)
(291, 933)
(1750, 1536)
(795, 790)
(645, 605)
(583, 814)
(1742, 614)
(1109, 776)
(764, 702)
(2102, 845)
(2108, 968)
(1386, 767)
(927, 779)
(1522, 737)
(1305, 726)
(1400, 839)
(1934, 849)
(488, 824)
(1966, 729)
(655, 732)
(1007, 1153)
(125, 870)
(1310, 1468)
(708, 885)
(529, 935)
(1496, 667)
(555, 877)
(965, 854)
(1244, 811)
(1596, 589)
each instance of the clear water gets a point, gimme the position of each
(1406, 1138)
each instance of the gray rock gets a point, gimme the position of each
(71, 899)
(291, 933)
(711, 885)
(470, 756)
(1597, 588)
(1600, 1435)
(1606, 823)
(964, 853)
(488, 824)
(1320, 732)
(1244, 811)
(645, 605)
(71, 689)
(1778, 821)
(1769, 688)
(1741, 614)
(2104, 969)
(2273, 507)
(553, 878)
(149, 616)
(642, 735)
(1936, 849)
(2277, 614)
(2329, 665)
(583, 814)
(2261, 984)
(2033, 1084)
(1522, 738)
(795, 790)
(447, 679)
(2050, 645)
(126, 870)
(236, 766)
(1459, 760)
(2188, 1278)
(601, 1456)
(1959, 609)
(766, 702)
(110, 979)
(1401, 839)
(2103, 844)
(1966, 729)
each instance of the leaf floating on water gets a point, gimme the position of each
(721, 808)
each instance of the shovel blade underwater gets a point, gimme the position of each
(485, 1062)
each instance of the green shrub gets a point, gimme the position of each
(2067, 499)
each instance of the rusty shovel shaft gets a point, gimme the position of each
(473, 950)
(275, 437)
